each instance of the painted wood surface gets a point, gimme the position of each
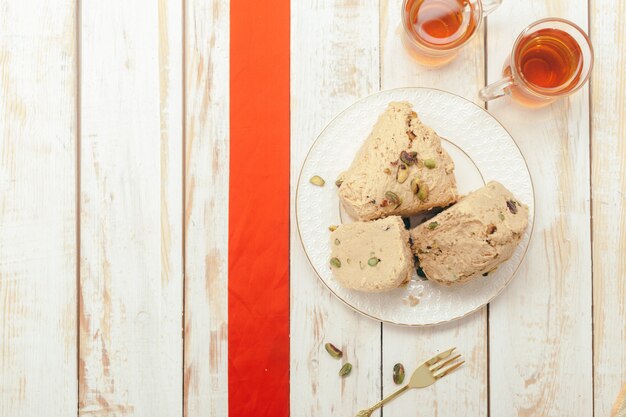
(334, 61)
(129, 336)
(608, 179)
(206, 208)
(540, 327)
(411, 346)
(130, 348)
(38, 134)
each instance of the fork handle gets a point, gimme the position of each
(383, 402)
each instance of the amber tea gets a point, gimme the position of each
(440, 23)
(550, 59)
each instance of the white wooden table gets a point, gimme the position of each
(111, 153)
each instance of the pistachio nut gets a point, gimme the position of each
(333, 350)
(393, 198)
(317, 180)
(415, 185)
(408, 158)
(403, 173)
(398, 373)
(373, 261)
(512, 206)
(429, 163)
(345, 369)
(422, 193)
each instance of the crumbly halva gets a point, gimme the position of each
(371, 256)
(472, 237)
(401, 169)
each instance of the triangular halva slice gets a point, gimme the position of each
(401, 169)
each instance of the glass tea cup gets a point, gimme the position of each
(551, 58)
(435, 30)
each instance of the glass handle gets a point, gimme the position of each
(490, 5)
(495, 90)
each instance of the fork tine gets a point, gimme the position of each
(440, 356)
(448, 370)
(443, 363)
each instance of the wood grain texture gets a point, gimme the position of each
(411, 346)
(608, 178)
(131, 209)
(38, 134)
(540, 326)
(206, 208)
(334, 61)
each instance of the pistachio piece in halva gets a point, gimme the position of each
(415, 185)
(429, 163)
(408, 158)
(373, 261)
(335, 262)
(422, 193)
(393, 198)
(433, 225)
(403, 173)
(512, 206)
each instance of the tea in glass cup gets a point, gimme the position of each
(435, 30)
(551, 58)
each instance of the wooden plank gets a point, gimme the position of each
(206, 208)
(131, 209)
(410, 346)
(37, 208)
(334, 61)
(608, 178)
(540, 326)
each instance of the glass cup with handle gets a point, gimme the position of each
(551, 58)
(435, 30)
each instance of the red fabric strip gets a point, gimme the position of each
(258, 265)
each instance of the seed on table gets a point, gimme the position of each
(333, 350)
(398, 373)
(345, 369)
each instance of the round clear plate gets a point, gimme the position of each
(482, 151)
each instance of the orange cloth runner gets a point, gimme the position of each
(258, 265)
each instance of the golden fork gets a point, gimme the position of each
(427, 374)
